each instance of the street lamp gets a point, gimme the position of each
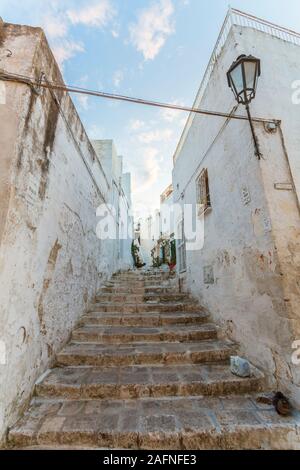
(242, 79)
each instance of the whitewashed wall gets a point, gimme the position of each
(51, 262)
(251, 244)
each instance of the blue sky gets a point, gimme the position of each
(155, 49)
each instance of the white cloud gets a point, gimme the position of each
(173, 115)
(161, 135)
(150, 172)
(55, 26)
(96, 132)
(118, 77)
(56, 22)
(98, 14)
(65, 50)
(115, 33)
(83, 101)
(84, 79)
(136, 124)
(115, 30)
(153, 26)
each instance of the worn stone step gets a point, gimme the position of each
(124, 334)
(142, 284)
(159, 289)
(144, 277)
(145, 381)
(166, 297)
(124, 290)
(119, 297)
(189, 306)
(149, 319)
(97, 354)
(238, 422)
(140, 298)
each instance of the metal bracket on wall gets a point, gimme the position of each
(38, 89)
(284, 186)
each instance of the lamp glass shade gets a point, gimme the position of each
(242, 78)
(237, 79)
(250, 75)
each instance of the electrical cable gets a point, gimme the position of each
(41, 83)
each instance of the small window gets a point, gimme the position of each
(203, 196)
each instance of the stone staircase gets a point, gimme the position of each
(145, 369)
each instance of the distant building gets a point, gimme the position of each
(119, 196)
(164, 250)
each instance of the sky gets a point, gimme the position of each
(152, 49)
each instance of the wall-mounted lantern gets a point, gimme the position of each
(242, 78)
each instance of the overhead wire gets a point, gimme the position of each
(41, 83)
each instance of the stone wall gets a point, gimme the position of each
(251, 239)
(51, 262)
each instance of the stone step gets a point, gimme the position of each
(150, 306)
(149, 319)
(139, 285)
(125, 290)
(142, 282)
(145, 381)
(97, 354)
(124, 334)
(140, 298)
(159, 289)
(119, 297)
(202, 423)
(167, 297)
(140, 276)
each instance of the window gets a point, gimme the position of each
(203, 196)
(181, 247)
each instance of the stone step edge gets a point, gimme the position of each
(93, 358)
(149, 313)
(283, 434)
(219, 342)
(125, 337)
(98, 390)
(203, 327)
(236, 437)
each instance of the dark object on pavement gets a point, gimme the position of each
(264, 399)
(281, 404)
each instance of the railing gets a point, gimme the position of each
(243, 19)
(239, 18)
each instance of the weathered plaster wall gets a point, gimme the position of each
(251, 241)
(51, 262)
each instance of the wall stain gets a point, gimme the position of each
(46, 282)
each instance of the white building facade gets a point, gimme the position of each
(247, 271)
